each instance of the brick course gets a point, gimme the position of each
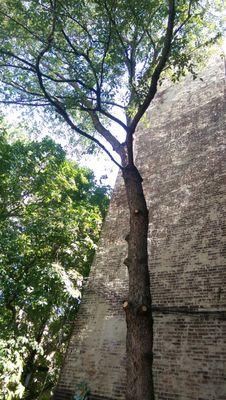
(181, 156)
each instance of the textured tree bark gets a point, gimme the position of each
(139, 341)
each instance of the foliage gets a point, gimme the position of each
(92, 61)
(50, 217)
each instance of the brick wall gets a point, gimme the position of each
(182, 158)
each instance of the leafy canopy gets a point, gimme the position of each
(50, 218)
(92, 61)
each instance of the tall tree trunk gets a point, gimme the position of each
(139, 342)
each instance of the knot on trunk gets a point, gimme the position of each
(142, 309)
(127, 237)
(127, 261)
(125, 305)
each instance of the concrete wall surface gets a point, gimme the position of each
(180, 149)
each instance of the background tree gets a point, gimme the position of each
(50, 218)
(97, 64)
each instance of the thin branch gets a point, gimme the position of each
(23, 103)
(111, 19)
(79, 23)
(60, 109)
(159, 68)
(22, 26)
(112, 103)
(113, 118)
(104, 57)
(33, 69)
(79, 53)
(8, 65)
(129, 60)
(10, 54)
(62, 79)
(21, 88)
(189, 15)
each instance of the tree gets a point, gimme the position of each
(98, 64)
(50, 218)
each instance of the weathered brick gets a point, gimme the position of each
(181, 156)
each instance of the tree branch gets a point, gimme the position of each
(113, 118)
(60, 109)
(22, 26)
(79, 53)
(8, 65)
(10, 54)
(24, 103)
(79, 23)
(112, 103)
(111, 19)
(186, 19)
(104, 57)
(62, 79)
(54, 100)
(56, 104)
(159, 68)
(21, 88)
